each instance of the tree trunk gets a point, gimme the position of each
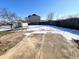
(11, 26)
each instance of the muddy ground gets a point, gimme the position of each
(8, 41)
(42, 46)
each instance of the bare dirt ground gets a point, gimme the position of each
(42, 46)
(8, 41)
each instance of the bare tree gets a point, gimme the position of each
(50, 16)
(9, 16)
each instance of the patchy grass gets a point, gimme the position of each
(2, 33)
(9, 41)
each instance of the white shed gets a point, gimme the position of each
(24, 24)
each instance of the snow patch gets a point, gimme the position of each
(67, 33)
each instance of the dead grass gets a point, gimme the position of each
(2, 33)
(8, 41)
(40, 46)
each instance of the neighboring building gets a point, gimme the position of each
(33, 18)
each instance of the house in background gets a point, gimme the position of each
(33, 18)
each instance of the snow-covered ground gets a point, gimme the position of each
(67, 33)
(5, 28)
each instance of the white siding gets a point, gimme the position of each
(24, 25)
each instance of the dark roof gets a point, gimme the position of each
(29, 16)
(34, 15)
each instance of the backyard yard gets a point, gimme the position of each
(39, 42)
